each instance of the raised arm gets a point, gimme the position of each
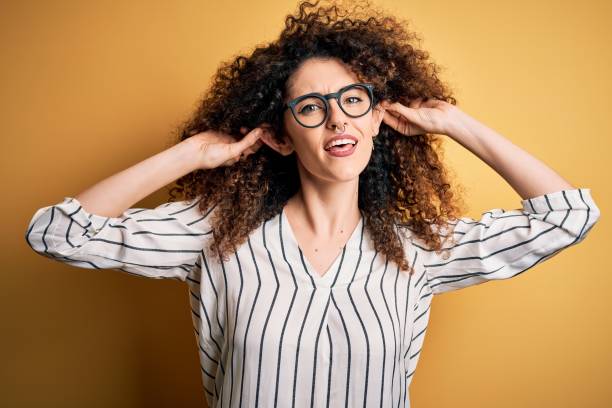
(115, 194)
(502, 243)
(97, 229)
(527, 175)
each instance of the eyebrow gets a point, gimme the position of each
(305, 93)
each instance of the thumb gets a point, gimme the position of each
(238, 147)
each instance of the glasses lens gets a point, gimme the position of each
(310, 111)
(355, 101)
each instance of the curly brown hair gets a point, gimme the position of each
(405, 183)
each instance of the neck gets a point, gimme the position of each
(328, 212)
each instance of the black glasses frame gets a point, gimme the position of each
(336, 95)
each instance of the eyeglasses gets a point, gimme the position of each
(312, 109)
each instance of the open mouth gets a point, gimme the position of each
(342, 149)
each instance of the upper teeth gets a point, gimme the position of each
(339, 142)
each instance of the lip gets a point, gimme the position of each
(342, 136)
(343, 153)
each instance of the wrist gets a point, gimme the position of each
(189, 152)
(463, 127)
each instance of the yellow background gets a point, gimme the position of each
(90, 88)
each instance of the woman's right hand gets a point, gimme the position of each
(221, 149)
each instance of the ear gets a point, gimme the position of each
(377, 116)
(285, 147)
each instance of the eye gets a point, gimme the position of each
(307, 108)
(357, 99)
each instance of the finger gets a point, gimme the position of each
(251, 149)
(415, 103)
(238, 147)
(431, 103)
(393, 113)
(409, 114)
(398, 123)
(395, 117)
(390, 119)
(402, 125)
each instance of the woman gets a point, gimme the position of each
(314, 206)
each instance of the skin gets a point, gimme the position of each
(325, 212)
(327, 202)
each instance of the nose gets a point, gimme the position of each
(336, 117)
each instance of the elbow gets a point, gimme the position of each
(29, 240)
(36, 242)
(34, 236)
(593, 217)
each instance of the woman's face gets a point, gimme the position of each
(326, 76)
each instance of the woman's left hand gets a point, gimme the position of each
(422, 116)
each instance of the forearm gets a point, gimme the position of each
(528, 176)
(113, 195)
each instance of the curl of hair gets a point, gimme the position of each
(404, 186)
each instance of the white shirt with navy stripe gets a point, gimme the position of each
(272, 332)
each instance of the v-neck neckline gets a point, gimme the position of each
(331, 271)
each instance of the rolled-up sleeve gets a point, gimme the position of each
(164, 242)
(505, 243)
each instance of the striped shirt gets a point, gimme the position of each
(271, 331)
